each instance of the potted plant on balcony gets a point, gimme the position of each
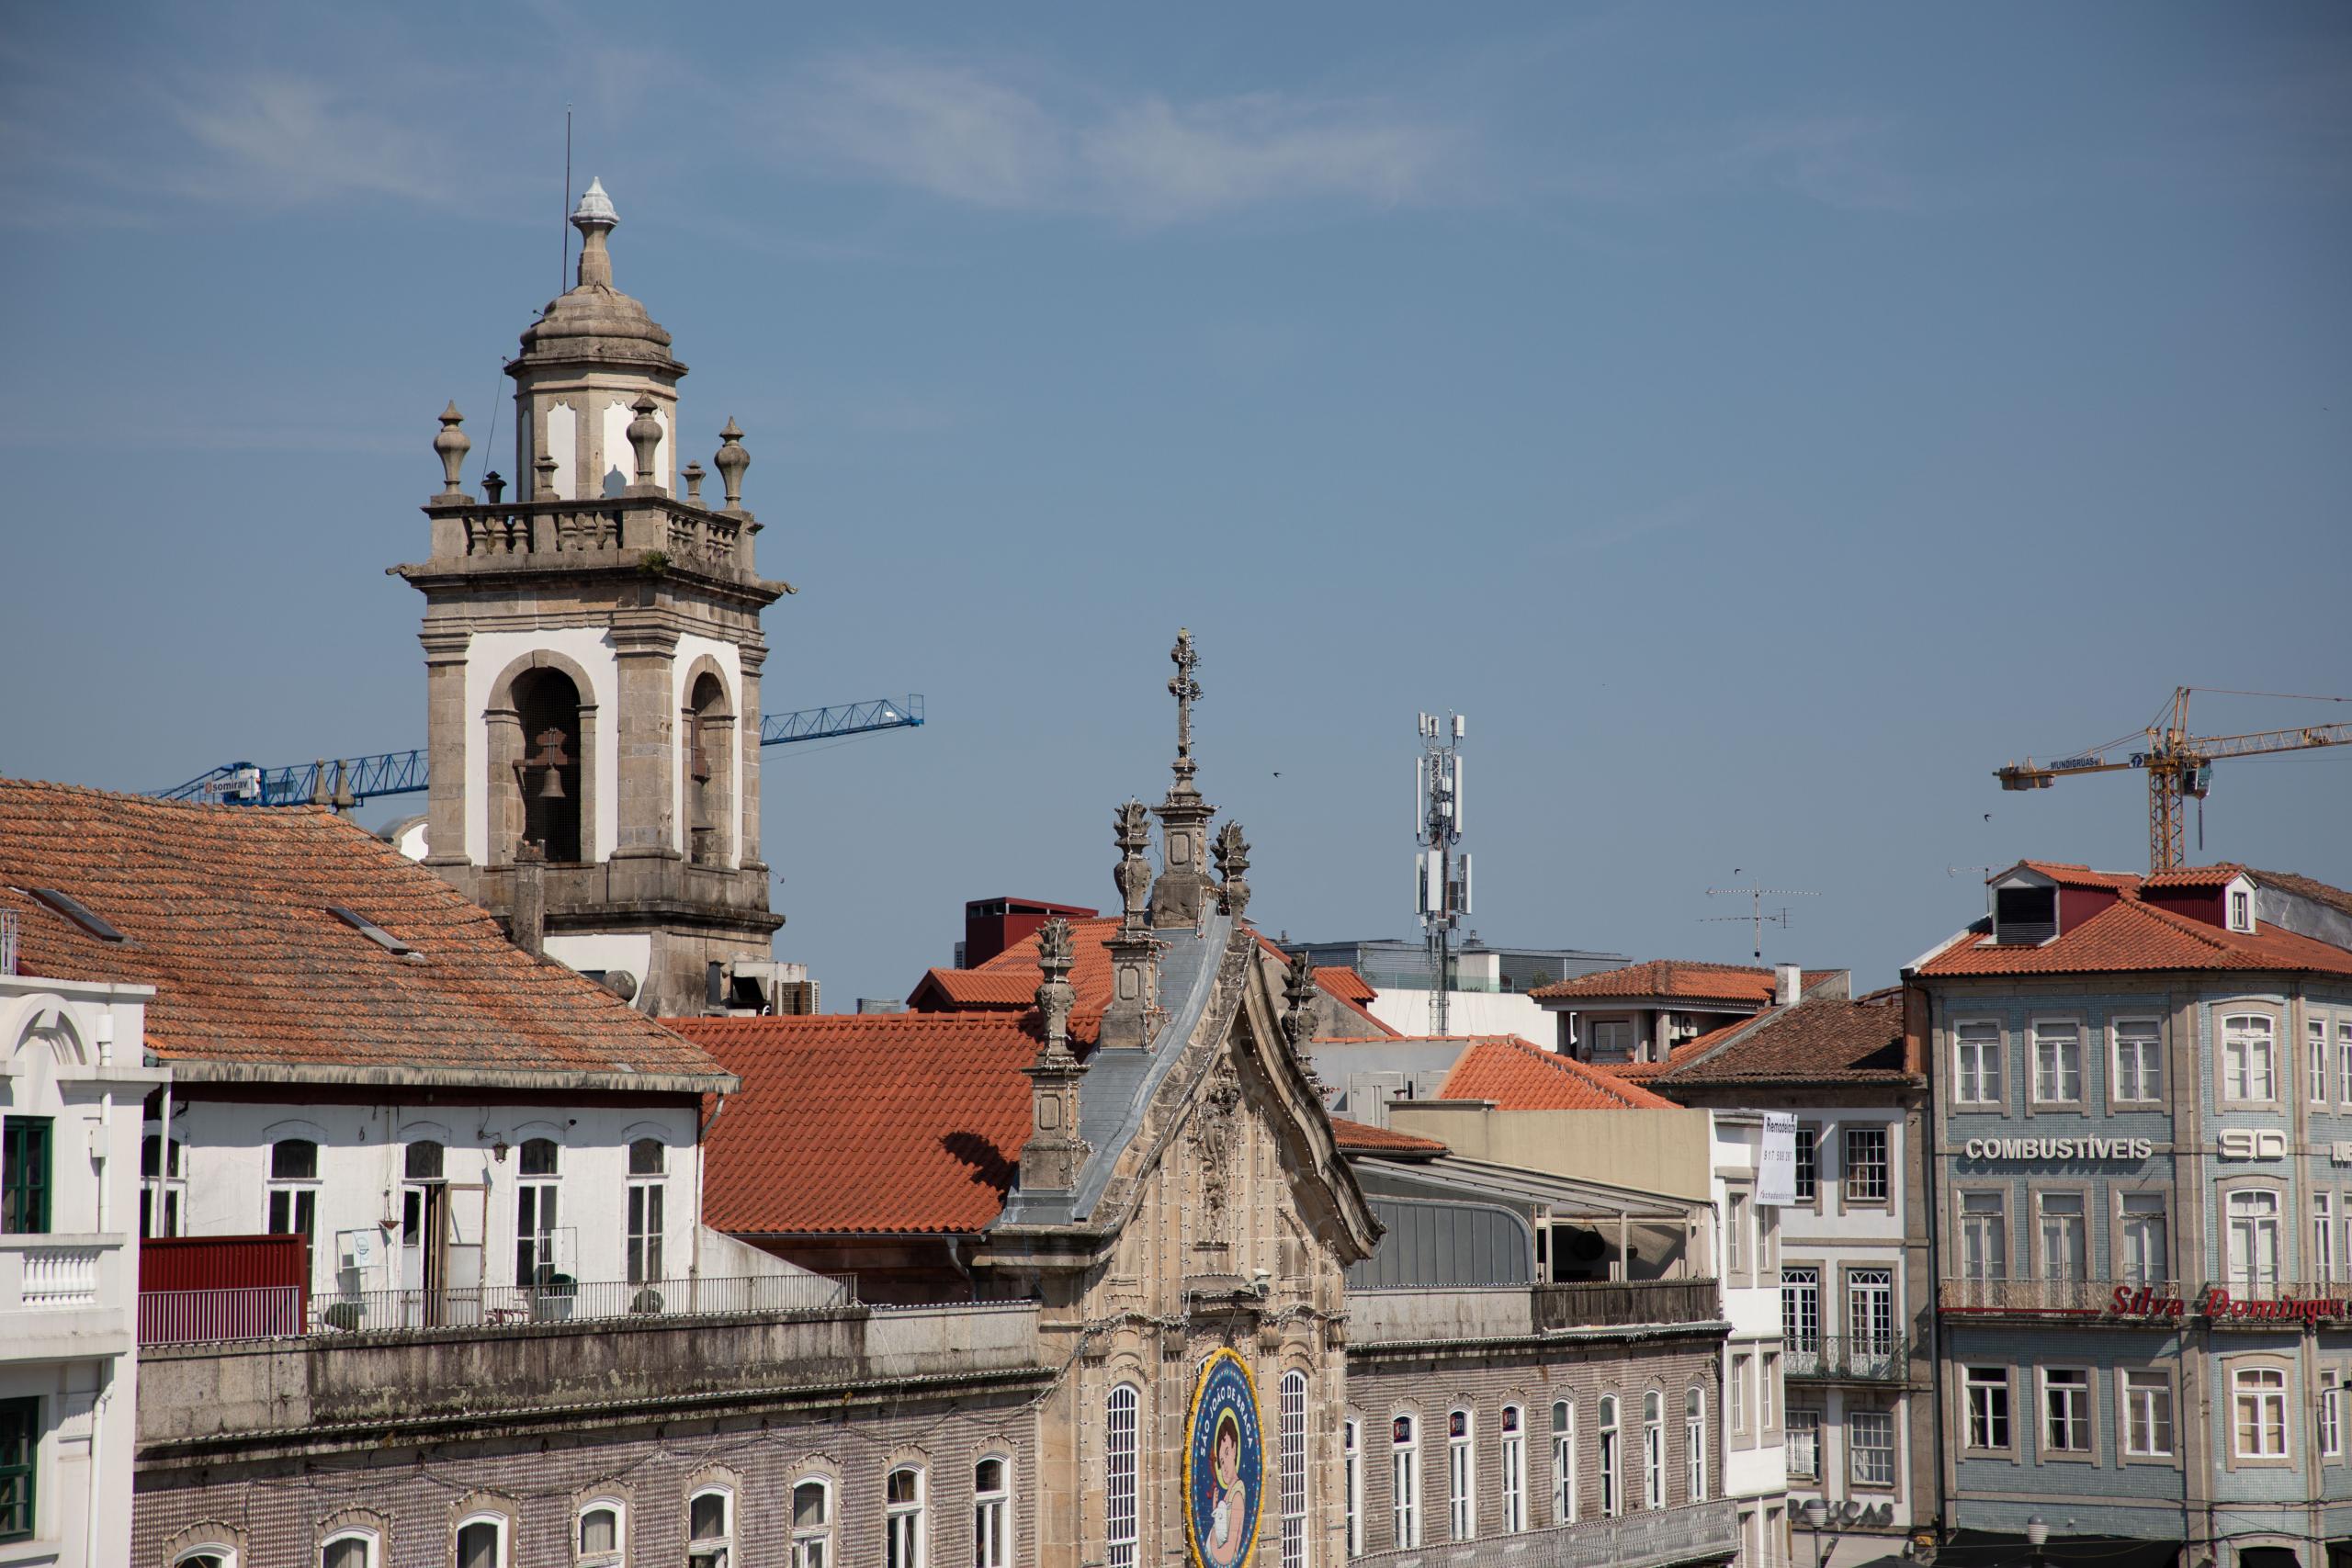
(552, 1302)
(647, 1303)
(343, 1315)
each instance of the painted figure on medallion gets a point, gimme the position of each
(1223, 1464)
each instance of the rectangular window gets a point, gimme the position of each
(2323, 1237)
(2147, 1414)
(1800, 1308)
(2146, 1259)
(1767, 1371)
(1870, 1313)
(1805, 1443)
(1736, 1236)
(535, 1222)
(2065, 1236)
(1404, 1485)
(1564, 1463)
(1869, 1447)
(1119, 1482)
(2259, 1396)
(1461, 1476)
(293, 1210)
(2253, 1241)
(1976, 1073)
(2066, 1412)
(20, 1455)
(2331, 1418)
(1987, 1390)
(23, 1175)
(1293, 1459)
(1983, 1235)
(1808, 1163)
(1351, 1480)
(2248, 1059)
(1866, 1165)
(2315, 1050)
(2344, 1061)
(1514, 1457)
(1736, 1391)
(2057, 1063)
(2139, 1059)
(1652, 1453)
(644, 1232)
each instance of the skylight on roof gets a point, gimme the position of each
(373, 931)
(80, 914)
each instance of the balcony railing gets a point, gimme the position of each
(1881, 1357)
(1610, 1304)
(267, 1311)
(1648, 1539)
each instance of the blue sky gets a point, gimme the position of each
(1761, 423)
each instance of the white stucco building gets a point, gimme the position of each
(70, 1087)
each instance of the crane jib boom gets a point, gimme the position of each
(2178, 765)
(349, 780)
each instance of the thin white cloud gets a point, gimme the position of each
(989, 140)
(294, 138)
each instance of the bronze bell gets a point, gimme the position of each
(550, 783)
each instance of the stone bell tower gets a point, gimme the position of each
(593, 654)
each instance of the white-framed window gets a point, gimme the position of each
(646, 1161)
(992, 1513)
(2254, 1239)
(1119, 1479)
(1735, 1394)
(1768, 1382)
(1290, 1445)
(1461, 1474)
(1976, 1064)
(481, 1542)
(1514, 1464)
(2147, 1259)
(161, 1187)
(1612, 1041)
(1351, 1458)
(2249, 1046)
(2147, 1414)
(2241, 909)
(812, 1523)
(2259, 1397)
(2139, 1059)
(2065, 1236)
(2322, 1236)
(1801, 1307)
(2057, 1061)
(599, 1536)
(1983, 1235)
(1653, 1451)
(1694, 1444)
(2331, 1416)
(2065, 1410)
(2315, 1054)
(358, 1549)
(1735, 1234)
(1987, 1390)
(1869, 1311)
(1564, 1502)
(1866, 1165)
(535, 1167)
(294, 1187)
(1805, 1443)
(1405, 1483)
(1870, 1447)
(2344, 1061)
(710, 1528)
(905, 1530)
(1612, 1459)
(209, 1555)
(1808, 1162)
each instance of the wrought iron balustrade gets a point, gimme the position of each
(1642, 1538)
(1847, 1358)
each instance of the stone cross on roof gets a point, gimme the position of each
(1186, 691)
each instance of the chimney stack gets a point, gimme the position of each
(530, 913)
(1789, 985)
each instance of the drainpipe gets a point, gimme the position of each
(1934, 1164)
(97, 1469)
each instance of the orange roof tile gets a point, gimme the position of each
(1516, 1076)
(224, 908)
(962, 991)
(2305, 887)
(1826, 1038)
(866, 1122)
(2129, 935)
(2194, 877)
(1677, 978)
(2067, 873)
(1344, 983)
(1362, 1138)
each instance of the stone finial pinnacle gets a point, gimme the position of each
(730, 460)
(1300, 1000)
(1055, 955)
(453, 445)
(645, 436)
(1232, 852)
(595, 217)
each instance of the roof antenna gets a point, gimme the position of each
(1755, 915)
(563, 219)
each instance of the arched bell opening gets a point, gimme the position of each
(709, 728)
(546, 775)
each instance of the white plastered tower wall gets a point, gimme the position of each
(69, 1306)
(590, 784)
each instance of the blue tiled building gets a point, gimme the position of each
(2141, 1178)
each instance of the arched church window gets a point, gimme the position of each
(547, 704)
(711, 775)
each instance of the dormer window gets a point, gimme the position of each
(2241, 909)
(2024, 914)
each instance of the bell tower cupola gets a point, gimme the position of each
(592, 659)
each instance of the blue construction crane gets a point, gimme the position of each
(359, 779)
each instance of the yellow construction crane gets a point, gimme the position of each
(2179, 765)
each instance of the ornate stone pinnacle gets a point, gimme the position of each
(595, 217)
(1131, 829)
(645, 434)
(1232, 852)
(1186, 691)
(544, 465)
(730, 460)
(692, 474)
(1300, 999)
(1056, 954)
(453, 445)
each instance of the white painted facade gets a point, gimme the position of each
(75, 1077)
(730, 659)
(1747, 1251)
(1467, 1012)
(367, 1215)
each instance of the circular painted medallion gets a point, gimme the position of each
(1224, 1462)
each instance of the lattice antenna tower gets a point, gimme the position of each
(1756, 918)
(1441, 876)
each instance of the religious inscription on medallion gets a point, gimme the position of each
(1224, 1464)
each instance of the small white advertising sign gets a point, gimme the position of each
(1776, 1169)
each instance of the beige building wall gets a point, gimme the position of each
(1651, 1151)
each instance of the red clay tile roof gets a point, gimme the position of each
(2193, 876)
(1819, 1040)
(966, 990)
(2066, 873)
(1643, 1072)
(2129, 935)
(1361, 1138)
(2305, 887)
(866, 1122)
(1669, 977)
(224, 907)
(1344, 983)
(1516, 1076)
